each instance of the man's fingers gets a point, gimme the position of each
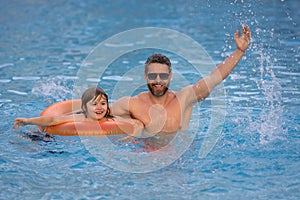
(237, 32)
(248, 32)
(244, 28)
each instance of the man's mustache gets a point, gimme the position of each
(159, 83)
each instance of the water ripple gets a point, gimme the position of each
(27, 78)
(17, 92)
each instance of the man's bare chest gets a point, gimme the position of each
(157, 117)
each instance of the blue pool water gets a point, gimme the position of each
(257, 156)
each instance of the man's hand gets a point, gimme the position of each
(243, 41)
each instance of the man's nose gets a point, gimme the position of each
(158, 78)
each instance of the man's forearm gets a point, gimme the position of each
(219, 73)
(226, 67)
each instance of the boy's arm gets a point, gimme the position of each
(43, 121)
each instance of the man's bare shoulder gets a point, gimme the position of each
(187, 95)
(186, 91)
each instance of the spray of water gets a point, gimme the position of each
(53, 89)
(271, 114)
(263, 98)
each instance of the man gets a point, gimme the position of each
(164, 111)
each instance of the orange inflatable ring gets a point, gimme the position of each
(87, 128)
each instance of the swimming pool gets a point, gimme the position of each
(43, 46)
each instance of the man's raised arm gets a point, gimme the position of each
(203, 87)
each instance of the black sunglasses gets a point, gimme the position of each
(153, 76)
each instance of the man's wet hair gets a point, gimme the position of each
(158, 58)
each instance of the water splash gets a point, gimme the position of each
(270, 125)
(53, 89)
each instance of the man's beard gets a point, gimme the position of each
(158, 93)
